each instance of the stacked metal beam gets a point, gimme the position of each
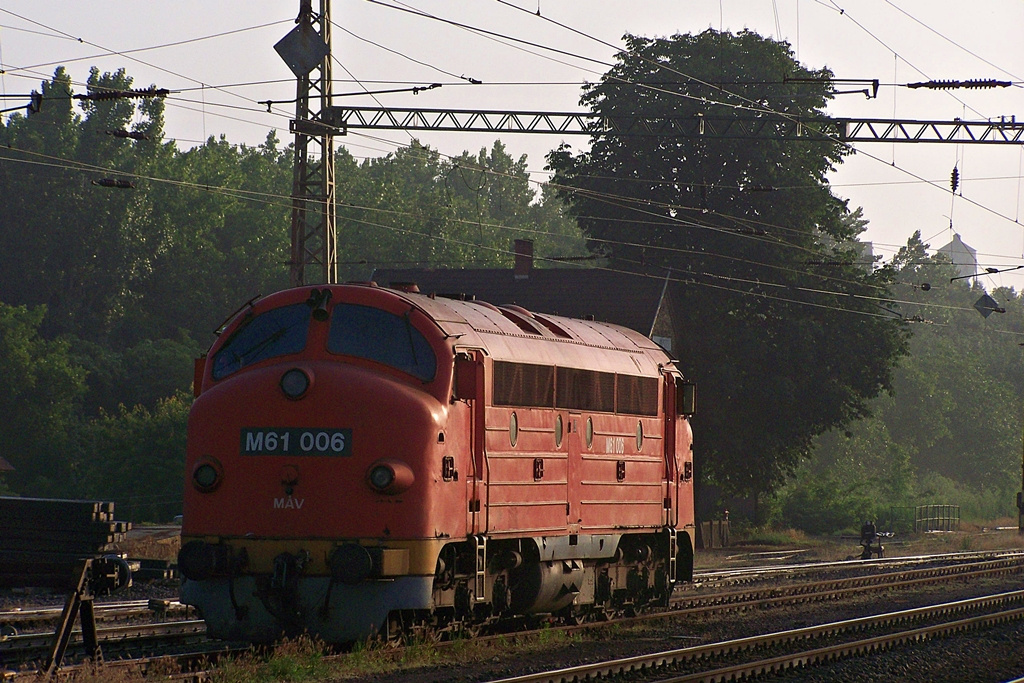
(153, 570)
(42, 539)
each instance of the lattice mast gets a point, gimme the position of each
(314, 240)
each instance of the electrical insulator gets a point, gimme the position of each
(954, 179)
(35, 102)
(123, 94)
(134, 135)
(114, 182)
(971, 84)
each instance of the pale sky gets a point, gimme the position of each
(209, 51)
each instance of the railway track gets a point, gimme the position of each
(144, 640)
(838, 588)
(747, 657)
(114, 639)
(20, 619)
(744, 575)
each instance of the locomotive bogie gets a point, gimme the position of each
(241, 609)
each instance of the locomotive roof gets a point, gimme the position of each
(513, 333)
(516, 334)
(626, 299)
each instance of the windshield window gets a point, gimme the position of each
(277, 332)
(383, 337)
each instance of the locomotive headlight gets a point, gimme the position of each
(295, 383)
(389, 476)
(381, 477)
(207, 474)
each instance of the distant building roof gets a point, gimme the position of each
(5, 466)
(960, 255)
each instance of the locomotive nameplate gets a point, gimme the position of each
(296, 441)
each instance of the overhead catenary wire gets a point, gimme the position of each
(603, 42)
(752, 106)
(282, 202)
(123, 53)
(127, 54)
(468, 79)
(849, 17)
(926, 181)
(612, 199)
(953, 42)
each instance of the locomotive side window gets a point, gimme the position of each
(522, 384)
(544, 386)
(636, 395)
(383, 337)
(585, 390)
(278, 332)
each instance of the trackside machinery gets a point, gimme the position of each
(365, 461)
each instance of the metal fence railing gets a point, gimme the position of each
(937, 518)
(921, 518)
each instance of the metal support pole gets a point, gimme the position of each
(78, 606)
(313, 232)
(1020, 494)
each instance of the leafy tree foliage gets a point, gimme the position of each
(774, 315)
(413, 207)
(950, 432)
(108, 294)
(39, 394)
(136, 456)
(141, 375)
(65, 242)
(224, 223)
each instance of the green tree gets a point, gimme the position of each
(65, 241)
(224, 223)
(137, 457)
(774, 315)
(38, 399)
(140, 375)
(950, 432)
(414, 207)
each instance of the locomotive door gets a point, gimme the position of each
(573, 473)
(679, 406)
(470, 386)
(673, 465)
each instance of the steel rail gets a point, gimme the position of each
(108, 610)
(835, 588)
(689, 655)
(21, 646)
(746, 599)
(747, 573)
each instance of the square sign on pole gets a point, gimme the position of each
(302, 49)
(986, 305)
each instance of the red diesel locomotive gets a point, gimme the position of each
(364, 460)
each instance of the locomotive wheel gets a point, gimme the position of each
(394, 636)
(469, 631)
(574, 615)
(574, 619)
(427, 635)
